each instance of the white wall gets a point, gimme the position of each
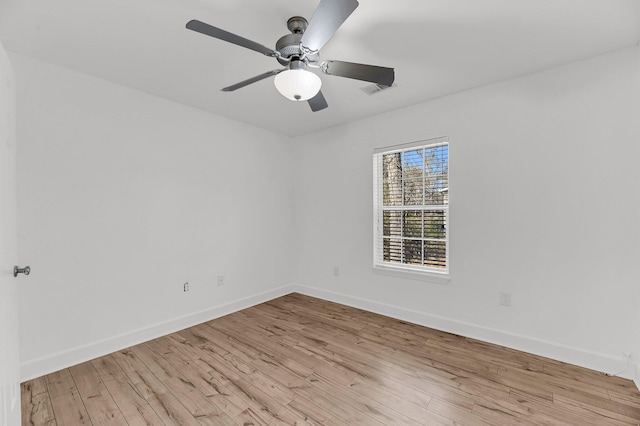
(544, 205)
(123, 197)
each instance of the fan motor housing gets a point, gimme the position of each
(289, 45)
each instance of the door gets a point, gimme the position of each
(9, 361)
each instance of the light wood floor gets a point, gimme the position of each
(300, 360)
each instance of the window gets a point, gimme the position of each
(411, 207)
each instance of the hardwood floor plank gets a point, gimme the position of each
(357, 348)
(311, 411)
(381, 376)
(592, 379)
(35, 386)
(339, 408)
(100, 406)
(229, 396)
(597, 407)
(546, 414)
(634, 400)
(408, 403)
(503, 356)
(267, 372)
(464, 381)
(575, 394)
(305, 361)
(277, 352)
(66, 402)
(177, 383)
(268, 408)
(36, 404)
(216, 421)
(553, 384)
(225, 398)
(457, 415)
(387, 377)
(362, 403)
(240, 387)
(170, 410)
(499, 415)
(203, 354)
(249, 418)
(191, 374)
(133, 406)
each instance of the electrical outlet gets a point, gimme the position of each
(185, 287)
(627, 355)
(505, 299)
(336, 270)
(220, 280)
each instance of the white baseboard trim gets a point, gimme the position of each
(592, 360)
(595, 361)
(57, 361)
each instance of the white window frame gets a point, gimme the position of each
(399, 269)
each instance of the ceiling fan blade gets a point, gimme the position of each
(252, 80)
(379, 75)
(326, 20)
(218, 33)
(318, 102)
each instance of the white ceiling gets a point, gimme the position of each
(437, 47)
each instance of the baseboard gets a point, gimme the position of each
(595, 361)
(559, 352)
(50, 363)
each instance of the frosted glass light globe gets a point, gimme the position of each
(297, 84)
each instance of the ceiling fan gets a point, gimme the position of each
(298, 51)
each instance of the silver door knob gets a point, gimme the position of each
(26, 270)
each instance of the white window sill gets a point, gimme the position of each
(434, 277)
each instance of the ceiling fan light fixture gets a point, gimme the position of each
(301, 48)
(297, 84)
